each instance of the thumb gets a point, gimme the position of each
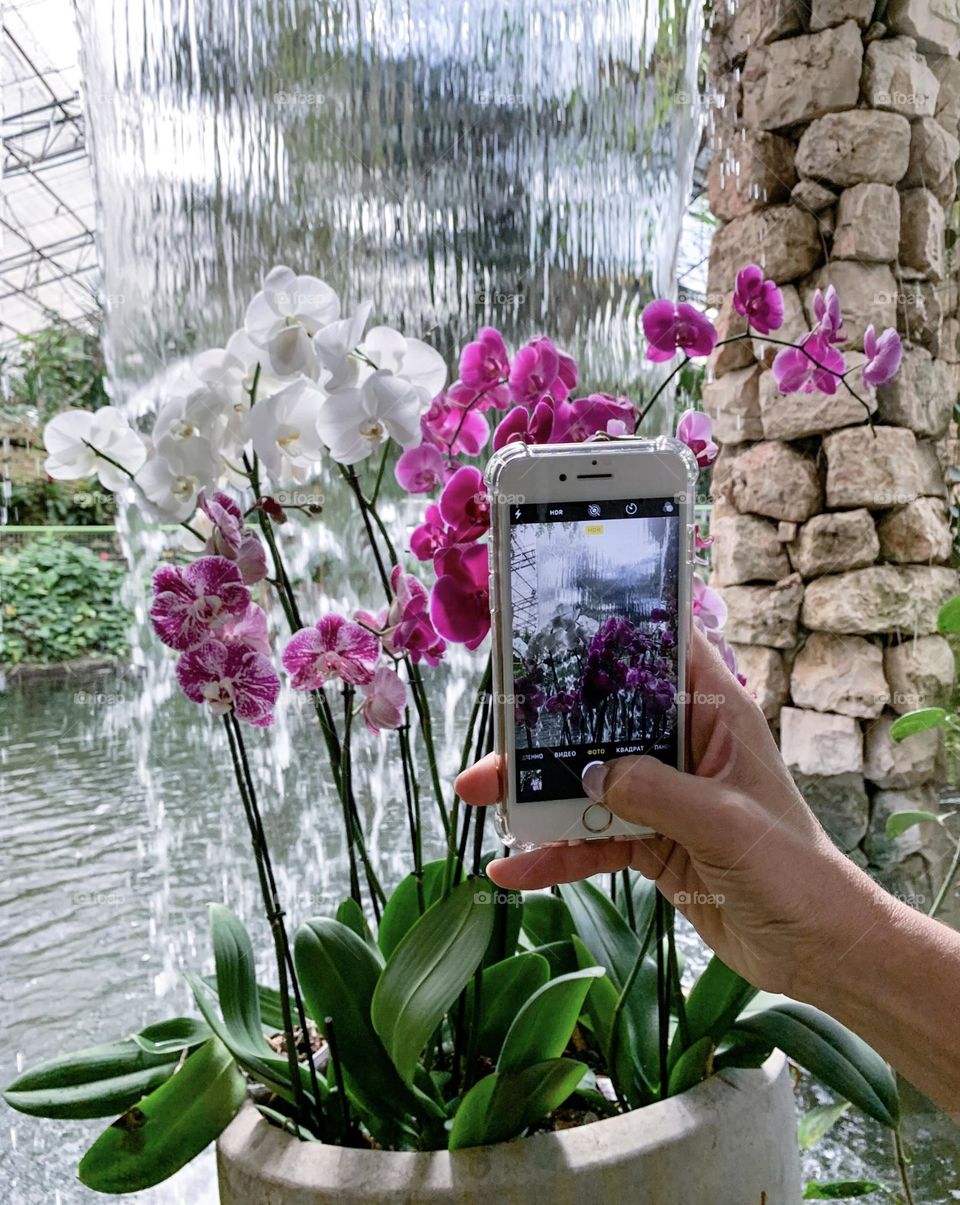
(695, 812)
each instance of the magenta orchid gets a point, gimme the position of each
(826, 310)
(460, 602)
(709, 610)
(540, 371)
(230, 677)
(384, 700)
(455, 429)
(335, 648)
(405, 626)
(484, 363)
(758, 300)
(465, 504)
(814, 365)
(883, 353)
(193, 602)
(420, 470)
(671, 327)
(528, 426)
(695, 429)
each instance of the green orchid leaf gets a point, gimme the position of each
(840, 1190)
(917, 721)
(168, 1128)
(180, 1033)
(338, 975)
(691, 1066)
(543, 1026)
(560, 955)
(900, 822)
(428, 970)
(829, 1051)
(948, 620)
(715, 1001)
(505, 988)
(602, 930)
(351, 914)
(402, 909)
(818, 1121)
(501, 1106)
(100, 1081)
(546, 918)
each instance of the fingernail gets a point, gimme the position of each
(594, 777)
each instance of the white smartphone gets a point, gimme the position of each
(591, 568)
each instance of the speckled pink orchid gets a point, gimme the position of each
(230, 539)
(460, 602)
(193, 602)
(230, 677)
(250, 629)
(384, 698)
(671, 327)
(334, 648)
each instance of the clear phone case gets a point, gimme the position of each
(498, 466)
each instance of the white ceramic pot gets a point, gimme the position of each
(730, 1140)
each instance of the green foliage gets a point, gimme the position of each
(840, 1190)
(48, 503)
(53, 369)
(818, 1121)
(917, 721)
(58, 601)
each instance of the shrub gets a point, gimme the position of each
(58, 601)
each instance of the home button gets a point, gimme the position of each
(596, 818)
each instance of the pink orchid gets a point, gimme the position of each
(700, 544)
(230, 677)
(540, 371)
(670, 326)
(729, 659)
(470, 398)
(384, 698)
(709, 610)
(192, 602)
(759, 301)
(883, 356)
(465, 504)
(409, 628)
(826, 310)
(230, 539)
(460, 602)
(334, 648)
(484, 363)
(528, 426)
(455, 429)
(250, 629)
(696, 430)
(814, 365)
(431, 536)
(420, 470)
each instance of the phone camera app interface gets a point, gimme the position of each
(594, 589)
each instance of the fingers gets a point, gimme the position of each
(560, 864)
(688, 809)
(480, 783)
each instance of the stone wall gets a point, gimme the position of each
(835, 152)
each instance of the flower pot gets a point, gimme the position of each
(730, 1140)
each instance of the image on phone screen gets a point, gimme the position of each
(594, 590)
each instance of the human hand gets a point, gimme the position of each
(739, 852)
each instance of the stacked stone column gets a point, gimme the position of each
(835, 151)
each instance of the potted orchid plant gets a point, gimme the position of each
(440, 1015)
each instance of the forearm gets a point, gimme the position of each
(893, 977)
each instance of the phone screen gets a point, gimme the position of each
(594, 589)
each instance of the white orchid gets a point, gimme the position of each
(73, 438)
(285, 315)
(355, 422)
(283, 429)
(411, 359)
(333, 346)
(175, 474)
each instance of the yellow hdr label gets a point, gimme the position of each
(593, 529)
